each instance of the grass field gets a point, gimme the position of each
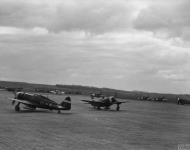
(140, 125)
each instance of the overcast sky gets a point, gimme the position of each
(123, 44)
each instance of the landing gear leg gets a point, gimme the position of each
(17, 107)
(117, 108)
(107, 108)
(98, 108)
(180, 102)
(13, 102)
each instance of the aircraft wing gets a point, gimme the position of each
(118, 102)
(87, 101)
(121, 102)
(22, 101)
(92, 102)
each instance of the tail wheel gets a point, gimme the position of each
(98, 108)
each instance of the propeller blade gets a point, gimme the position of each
(13, 102)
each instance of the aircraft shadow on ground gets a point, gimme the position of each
(109, 110)
(42, 111)
(31, 111)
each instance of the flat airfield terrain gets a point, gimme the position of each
(140, 125)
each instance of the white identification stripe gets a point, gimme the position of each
(21, 101)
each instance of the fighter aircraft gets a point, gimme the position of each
(33, 101)
(106, 103)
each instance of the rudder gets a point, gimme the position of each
(66, 103)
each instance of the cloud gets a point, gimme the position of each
(173, 75)
(164, 18)
(130, 60)
(130, 45)
(14, 31)
(167, 19)
(22, 14)
(100, 16)
(69, 15)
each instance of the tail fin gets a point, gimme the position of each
(66, 103)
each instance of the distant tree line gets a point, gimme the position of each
(88, 90)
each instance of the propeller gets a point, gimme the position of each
(13, 102)
(15, 96)
(14, 92)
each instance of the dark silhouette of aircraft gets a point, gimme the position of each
(181, 101)
(33, 101)
(106, 103)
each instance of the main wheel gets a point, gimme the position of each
(59, 111)
(17, 108)
(13, 102)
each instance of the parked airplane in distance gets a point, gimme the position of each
(33, 101)
(106, 103)
(181, 101)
